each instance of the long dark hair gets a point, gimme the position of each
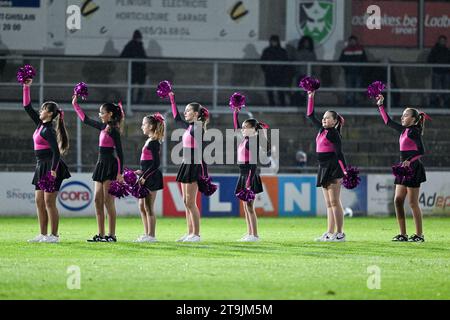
(117, 116)
(339, 118)
(61, 132)
(419, 117)
(262, 134)
(203, 113)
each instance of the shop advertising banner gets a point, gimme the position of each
(76, 196)
(170, 28)
(23, 25)
(399, 23)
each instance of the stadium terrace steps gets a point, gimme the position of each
(367, 141)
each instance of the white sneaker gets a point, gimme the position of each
(338, 237)
(37, 238)
(251, 238)
(50, 239)
(192, 238)
(141, 238)
(325, 237)
(150, 239)
(183, 238)
(244, 237)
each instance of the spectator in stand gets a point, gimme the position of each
(304, 53)
(135, 49)
(275, 75)
(353, 52)
(440, 76)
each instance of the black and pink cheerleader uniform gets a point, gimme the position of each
(329, 150)
(150, 162)
(108, 165)
(193, 165)
(411, 149)
(46, 149)
(247, 162)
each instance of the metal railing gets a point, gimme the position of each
(217, 85)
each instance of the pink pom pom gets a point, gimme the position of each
(351, 180)
(309, 84)
(25, 73)
(402, 173)
(164, 88)
(47, 183)
(81, 90)
(129, 176)
(237, 101)
(246, 195)
(375, 89)
(139, 191)
(118, 189)
(206, 186)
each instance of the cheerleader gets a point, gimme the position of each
(411, 150)
(331, 168)
(195, 120)
(150, 175)
(108, 167)
(49, 144)
(252, 131)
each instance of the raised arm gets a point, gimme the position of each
(236, 119)
(27, 103)
(387, 120)
(310, 111)
(175, 113)
(83, 117)
(154, 146)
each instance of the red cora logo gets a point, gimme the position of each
(75, 196)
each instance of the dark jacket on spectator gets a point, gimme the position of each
(353, 54)
(276, 74)
(135, 49)
(439, 54)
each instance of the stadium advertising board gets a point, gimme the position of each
(23, 25)
(399, 23)
(284, 196)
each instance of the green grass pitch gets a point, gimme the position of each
(286, 264)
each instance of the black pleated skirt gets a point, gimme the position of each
(189, 173)
(418, 178)
(329, 170)
(106, 168)
(255, 183)
(44, 165)
(155, 181)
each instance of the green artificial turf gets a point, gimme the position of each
(285, 264)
